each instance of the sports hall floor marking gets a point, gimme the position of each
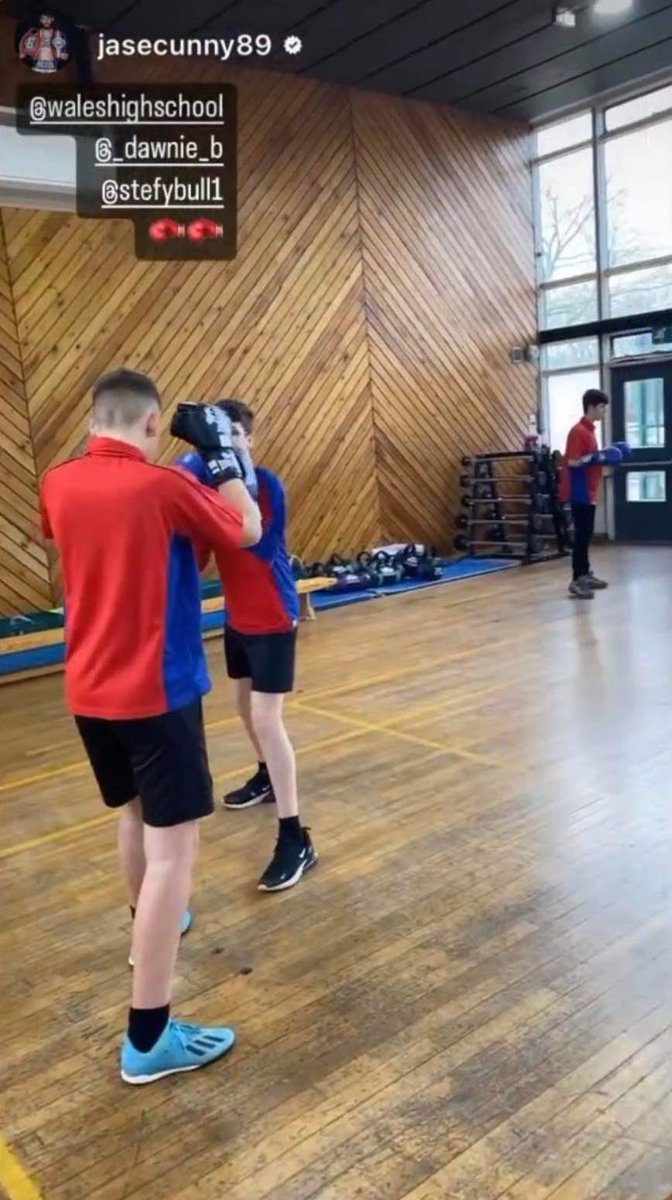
(57, 835)
(357, 728)
(416, 739)
(14, 1182)
(342, 689)
(13, 1179)
(82, 765)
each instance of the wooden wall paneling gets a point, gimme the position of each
(384, 269)
(24, 567)
(283, 326)
(447, 252)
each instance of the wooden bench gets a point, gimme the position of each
(55, 637)
(304, 587)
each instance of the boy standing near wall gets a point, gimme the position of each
(260, 635)
(580, 486)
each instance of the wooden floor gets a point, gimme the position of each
(471, 995)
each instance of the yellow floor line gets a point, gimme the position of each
(26, 780)
(57, 835)
(83, 765)
(424, 667)
(416, 739)
(368, 681)
(14, 1181)
(455, 700)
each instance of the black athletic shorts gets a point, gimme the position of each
(163, 760)
(265, 658)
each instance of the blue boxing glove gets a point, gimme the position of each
(611, 456)
(194, 464)
(624, 448)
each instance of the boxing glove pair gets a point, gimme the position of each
(208, 429)
(611, 456)
(614, 455)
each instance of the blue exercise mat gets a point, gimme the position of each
(27, 660)
(44, 656)
(465, 568)
(329, 599)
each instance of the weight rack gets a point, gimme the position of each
(529, 525)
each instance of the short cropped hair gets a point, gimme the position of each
(593, 397)
(238, 412)
(121, 398)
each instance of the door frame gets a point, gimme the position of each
(621, 372)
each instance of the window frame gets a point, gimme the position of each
(603, 273)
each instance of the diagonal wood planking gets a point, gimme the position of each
(283, 326)
(384, 270)
(24, 574)
(447, 250)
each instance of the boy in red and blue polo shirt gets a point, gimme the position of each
(135, 671)
(261, 622)
(580, 483)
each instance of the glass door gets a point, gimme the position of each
(642, 415)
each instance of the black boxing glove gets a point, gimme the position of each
(208, 430)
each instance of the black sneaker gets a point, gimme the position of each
(292, 858)
(257, 790)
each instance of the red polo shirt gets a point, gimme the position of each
(124, 528)
(580, 485)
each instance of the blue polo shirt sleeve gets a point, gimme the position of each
(274, 510)
(193, 463)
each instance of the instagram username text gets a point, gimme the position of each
(245, 45)
(119, 108)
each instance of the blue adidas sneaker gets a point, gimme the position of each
(187, 922)
(180, 1048)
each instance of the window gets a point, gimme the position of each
(567, 216)
(645, 413)
(564, 134)
(603, 213)
(560, 355)
(639, 109)
(630, 345)
(563, 403)
(640, 291)
(638, 168)
(568, 305)
(642, 486)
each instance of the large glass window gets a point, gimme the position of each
(603, 224)
(564, 392)
(603, 210)
(567, 216)
(638, 171)
(568, 370)
(569, 304)
(629, 345)
(561, 135)
(640, 291)
(638, 109)
(558, 356)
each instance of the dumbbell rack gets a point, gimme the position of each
(529, 525)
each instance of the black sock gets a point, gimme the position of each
(262, 768)
(291, 827)
(132, 912)
(145, 1026)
